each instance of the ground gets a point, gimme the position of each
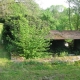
(36, 70)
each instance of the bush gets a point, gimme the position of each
(26, 40)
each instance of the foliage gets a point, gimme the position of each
(64, 53)
(60, 52)
(22, 32)
(26, 40)
(69, 40)
(48, 18)
(32, 7)
(74, 11)
(56, 17)
(61, 18)
(9, 7)
(15, 7)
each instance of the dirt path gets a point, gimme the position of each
(64, 59)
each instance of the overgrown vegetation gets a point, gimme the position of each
(26, 25)
(28, 41)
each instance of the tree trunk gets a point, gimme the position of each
(69, 17)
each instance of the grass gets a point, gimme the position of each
(34, 70)
(37, 69)
(3, 54)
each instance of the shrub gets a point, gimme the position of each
(26, 40)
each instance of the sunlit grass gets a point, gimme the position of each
(4, 57)
(1, 28)
(34, 70)
(3, 54)
(3, 61)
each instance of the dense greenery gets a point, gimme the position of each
(74, 13)
(21, 38)
(26, 25)
(61, 18)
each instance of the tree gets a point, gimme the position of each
(75, 13)
(11, 8)
(56, 17)
(28, 41)
(15, 7)
(48, 19)
(32, 7)
(23, 33)
(69, 2)
(76, 7)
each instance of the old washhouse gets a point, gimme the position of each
(59, 40)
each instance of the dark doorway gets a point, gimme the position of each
(58, 46)
(76, 47)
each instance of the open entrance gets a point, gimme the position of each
(76, 47)
(57, 46)
(61, 46)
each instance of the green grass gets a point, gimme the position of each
(33, 70)
(3, 54)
